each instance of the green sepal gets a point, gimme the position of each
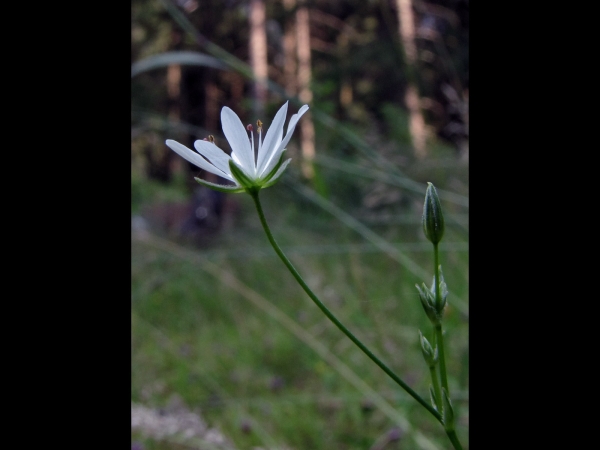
(443, 291)
(428, 302)
(432, 397)
(273, 170)
(448, 411)
(433, 219)
(429, 354)
(219, 187)
(272, 181)
(240, 176)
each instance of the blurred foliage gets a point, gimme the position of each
(209, 344)
(196, 336)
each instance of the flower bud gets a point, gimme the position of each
(429, 354)
(443, 292)
(433, 219)
(428, 302)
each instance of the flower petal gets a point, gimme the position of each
(274, 157)
(238, 140)
(214, 154)
(272, 138)
(195, 158)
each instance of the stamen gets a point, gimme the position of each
(211, 138)
(259, 124)
(253, 152)
(249, 127)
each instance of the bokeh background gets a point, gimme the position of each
(227, 350)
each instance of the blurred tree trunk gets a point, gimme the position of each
(289, 51)
(173, 165)
(406, 23)
(307, 130)
(211, 108)
(174, 90)
(211, 117)
(258, 55)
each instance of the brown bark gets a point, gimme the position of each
(171, 164)
(258, 54)
(289, 52)
(307, 130)
(416, 120)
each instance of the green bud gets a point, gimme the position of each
(443, 291)
(448, 412)
(428, 302)
(429, 354)
(433, 219)
(432, 397)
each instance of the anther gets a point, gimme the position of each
(249, 127)
(211, 138)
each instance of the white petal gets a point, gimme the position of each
(214, 154)
(236, 159)
(301, 111)
(236, 134)
(274, 157)
(195, 158)
(272, 138)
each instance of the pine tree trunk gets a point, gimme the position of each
(416, 120)
(290, 66)
(173, 165)
(307, 130)
(258, 55)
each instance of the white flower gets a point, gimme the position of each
(243, 167)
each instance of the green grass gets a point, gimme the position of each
(196, 335)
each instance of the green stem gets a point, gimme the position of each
(331, 317)
(439, 337)
(454, 439)
(436, 387)
(442, 360)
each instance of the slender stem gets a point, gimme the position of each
(331, 317)
(454, 439)
(442, 360)
(436, 387)
(439, 337)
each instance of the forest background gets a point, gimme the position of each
(224, 343)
